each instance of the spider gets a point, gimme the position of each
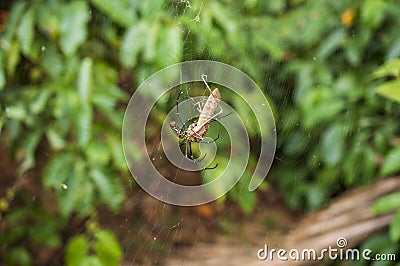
(196, 131)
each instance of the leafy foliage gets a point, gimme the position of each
(62, 65)
(389, 88)
(61, 106)
(106, 250)
(391, 165)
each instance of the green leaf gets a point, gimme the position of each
(3, 79)
(110, 192)
(296, 143)
(114, 144)
(121, 12)
(133, 42)
(390, 68)
(393, 50)
(19, 256)
(224, 17)
(381, 141)
(387, 203)
(40, 101)
(97, 153)
(47, 232)
(151, 42)
(394, 229)
(356, 46)
(169, 46)
(353, 155)
(369, 161)
(316, 196)
(76, 251)
(17, 111)
(87, 197)
(70, 69)
(70, 196)
(331, 44)
(92, 261)
(14, 129)
(106, 76)
(65, 107)
(85, 81)
(272, 47)
(1, 124)
(320, 104)
(377, 243)
(390, 89)
(48, 19)
(57, 170)
(373, 12)
(105, 104)
(83, 121)
(26, 31)
(332, 144)
(29, 145)
(55, 138)
(117, 93)
(52, 61)
(73, 26)
(246, 200)
(150, 8)
(391, 165)
(107, 248)
(11, 26)
(13, 58)
(348, 87)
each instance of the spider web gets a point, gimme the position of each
(158, 232)
(152, 232)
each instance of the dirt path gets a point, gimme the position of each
(349, 218)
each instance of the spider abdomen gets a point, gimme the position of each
(196, 134)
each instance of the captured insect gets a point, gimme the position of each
(196, 131)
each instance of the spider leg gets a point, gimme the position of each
(204, 78)
(186, 148)
(204, 168)
(177, 108)
(201, 159)
(198, 106)
(211, 141)
(190, 150)
(219, 118)
(210, 168)
(197, 161)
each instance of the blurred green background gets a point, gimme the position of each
(331, 70)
